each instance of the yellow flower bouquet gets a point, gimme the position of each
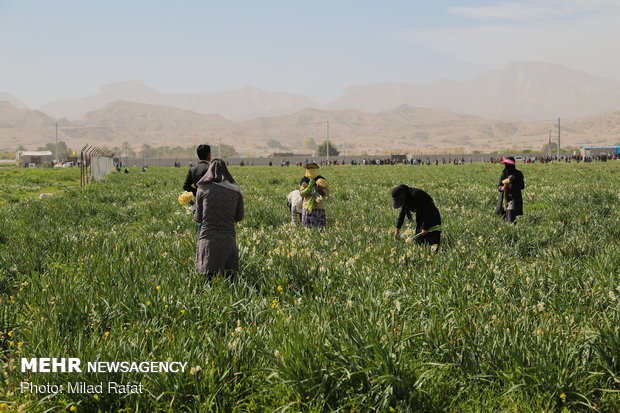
(186, 199)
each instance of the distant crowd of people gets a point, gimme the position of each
(565, 158)
(379, 161)
(432, 160)
(449, 160)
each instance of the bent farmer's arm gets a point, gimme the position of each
(240, 211)
(399, 222)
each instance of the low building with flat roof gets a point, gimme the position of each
(33, 159)
(591, 150)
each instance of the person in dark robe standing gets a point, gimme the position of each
(427, 215)
(509, 198)
(219, 205)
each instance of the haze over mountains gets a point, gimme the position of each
(520, 91)
(245, 103)
(5, 97)
(496, 110)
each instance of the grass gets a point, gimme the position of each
(19, 184)
(504, 318)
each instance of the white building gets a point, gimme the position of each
(33, 159)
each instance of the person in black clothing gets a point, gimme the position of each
(511, 183)
(197, 171)
(426, 213)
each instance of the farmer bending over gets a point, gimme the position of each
(427, 218)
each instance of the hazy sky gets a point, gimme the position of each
(60, 49)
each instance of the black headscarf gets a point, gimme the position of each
(401, 198)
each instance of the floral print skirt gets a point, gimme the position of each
(314, 218)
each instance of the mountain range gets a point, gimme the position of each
(516, 106)
(519, 91)
(403, 129)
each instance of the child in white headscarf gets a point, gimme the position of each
(295, 205)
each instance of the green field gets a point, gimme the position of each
(521, 318)
(17, 184)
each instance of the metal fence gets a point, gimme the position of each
(95, 164)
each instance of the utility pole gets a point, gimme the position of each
(327, 141)
(219, 148)
(558, 139)
(549, 143)
(56, 146)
